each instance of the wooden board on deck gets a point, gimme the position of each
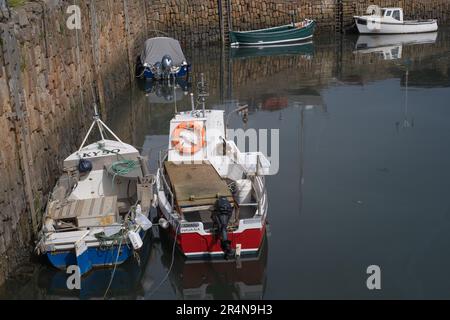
(196, 184)
(88, 212)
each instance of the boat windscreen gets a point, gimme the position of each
(156, 48)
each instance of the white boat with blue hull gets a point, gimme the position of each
(98, 210)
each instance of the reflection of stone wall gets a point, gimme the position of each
(46, 95)
(329, 65)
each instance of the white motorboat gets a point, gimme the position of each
(391, 21)
(98, 210)
(212, 195)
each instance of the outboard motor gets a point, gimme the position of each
(221, 216)
(166, 63)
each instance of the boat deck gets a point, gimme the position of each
(196, 185)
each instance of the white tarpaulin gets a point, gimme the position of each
(156, 48)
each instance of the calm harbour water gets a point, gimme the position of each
(363, 179)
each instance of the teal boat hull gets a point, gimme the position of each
(273, 36)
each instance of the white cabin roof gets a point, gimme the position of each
(101, 153)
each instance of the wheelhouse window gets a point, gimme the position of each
(396, 15)
(388, 13)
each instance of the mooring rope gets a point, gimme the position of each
(114, 270)
(171, 263)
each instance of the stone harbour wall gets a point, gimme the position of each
(49, 78)
(196, 22)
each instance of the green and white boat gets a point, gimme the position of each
(289, 33)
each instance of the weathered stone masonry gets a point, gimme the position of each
(49, 77)
(197, 21)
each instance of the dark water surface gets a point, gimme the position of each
(364, 175)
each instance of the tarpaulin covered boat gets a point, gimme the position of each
(162, 57)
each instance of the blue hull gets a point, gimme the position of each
(92, 257)
(148, 74)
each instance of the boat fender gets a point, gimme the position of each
(84, 166)
(163, 223)
(155, 200)
(142, 220)
(135, 239)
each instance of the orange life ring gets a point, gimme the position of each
(199, 131)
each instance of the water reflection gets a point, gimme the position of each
(217, 278)
(165, 91)
(305, 49)
(390, 47)
(363, 169)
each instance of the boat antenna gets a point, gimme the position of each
(192, 102)
(202, 92)
(97, 120)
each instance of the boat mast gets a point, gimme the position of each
(96, 118)
(101, 126)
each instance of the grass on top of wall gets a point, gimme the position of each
(15, 3)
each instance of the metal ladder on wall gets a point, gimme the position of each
(225, 20)
(339, 16)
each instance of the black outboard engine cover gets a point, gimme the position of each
(166, 63)
(221, 216)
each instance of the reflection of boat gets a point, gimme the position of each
(218, 279)
(127, 281)
(212, 194)
(407, 122)
(165, 91)
(386, 53)
(161, 58)
(306, 49)
(390, 47)
(290, 33)
(275, 103)
(99, 206)
(374, 41)
(307, 98)
(390, 21)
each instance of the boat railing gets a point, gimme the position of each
(259, 185)
(165, 187)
